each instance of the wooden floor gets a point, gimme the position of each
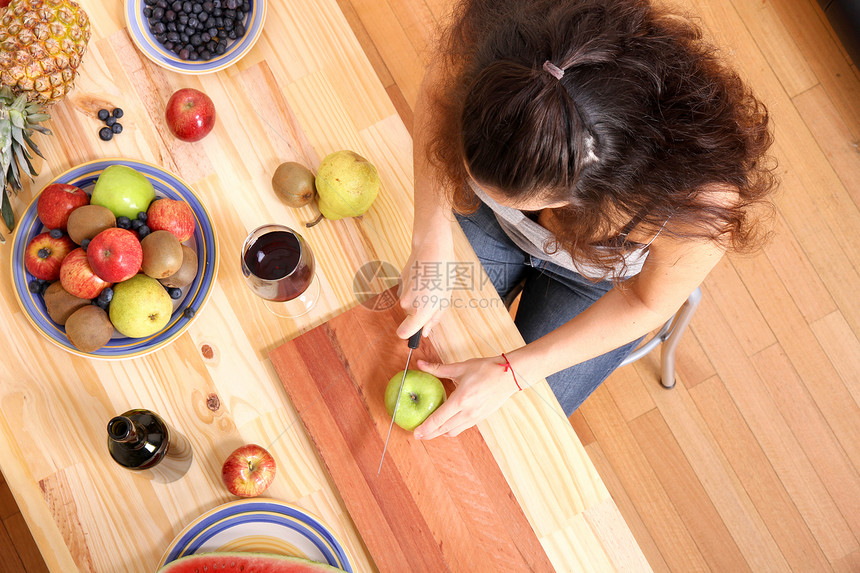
(752, 463)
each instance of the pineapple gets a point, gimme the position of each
(41, 46)
(18, 120)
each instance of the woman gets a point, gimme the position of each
(597, 150)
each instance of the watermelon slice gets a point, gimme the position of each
(244, 562)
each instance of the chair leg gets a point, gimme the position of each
(682, 320)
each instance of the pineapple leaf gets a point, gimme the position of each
(37, 117)
(32, 145)
(21, 160)
(15, 179)
(41, 129)
(17, 118)
(6, 209)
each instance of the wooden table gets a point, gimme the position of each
(305, 90)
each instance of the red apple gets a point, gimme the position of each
(171, 215)
(44, 255)
(115, 254)
(190, 114)
(78, 277)
(248, 471)
(57, 201)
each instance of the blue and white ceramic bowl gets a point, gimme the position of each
(145, 41)
(195, 295)
(259, 526)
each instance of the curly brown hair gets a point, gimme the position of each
(644, 123)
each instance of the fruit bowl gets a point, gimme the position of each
(147, 43)
(195, 295)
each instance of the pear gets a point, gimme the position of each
(347, 185)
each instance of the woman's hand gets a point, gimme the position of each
(424, 290)
(483, 385)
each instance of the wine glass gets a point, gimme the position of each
(278, 266)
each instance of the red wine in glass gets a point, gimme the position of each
(278, 266)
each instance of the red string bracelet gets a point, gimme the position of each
(508, 367)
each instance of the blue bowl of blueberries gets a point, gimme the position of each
(195, 36)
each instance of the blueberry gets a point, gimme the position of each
(116, 128)
(158, 14)
(183, 19)
(229, 14)
(186, 7)
(189, 312)
(56, 234)
(194, 56)
(135, 224)
(143, 231)
(197, 8)
(161, 4)
(147, 12)
(184, 54)
(212, 32)
(232, 34)
(85, 243)
(176, 6)
(221, 49)
(103, 114)
(173, 37)
(110, 121)
(210, 46)
(174, 292)
(149, 2)
(170, 16)
(105, 134)
(141, 216)
(205, 55)
(34, 286)
(106, 295)
(123, 222)
(208, 7)
(217, 13)
(231, 4)
(43, 253)
(43, 286)
(158, 28)
(240, 30)
(193, 22)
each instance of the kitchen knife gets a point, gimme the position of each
(414, 340)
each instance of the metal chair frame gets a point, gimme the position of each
(669, 336)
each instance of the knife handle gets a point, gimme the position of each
(415, 339)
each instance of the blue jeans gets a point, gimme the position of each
(551, 296)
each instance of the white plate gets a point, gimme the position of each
(259, 526)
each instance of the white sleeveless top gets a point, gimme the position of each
(534, 239)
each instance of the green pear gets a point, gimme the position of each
(140, 307)
(347, 184)
(123, 190)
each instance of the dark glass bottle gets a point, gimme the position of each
(140, 440)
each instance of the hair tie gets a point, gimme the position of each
(553, 70)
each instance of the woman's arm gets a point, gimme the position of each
(673, 269)
(432, 239)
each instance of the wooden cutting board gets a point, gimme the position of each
(437, 505)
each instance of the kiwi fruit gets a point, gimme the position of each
(162, 254)
(186, 272)
(294, 184)
(89, 328)
(60, 304)
(87, 221)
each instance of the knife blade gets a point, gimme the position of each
(413, 342)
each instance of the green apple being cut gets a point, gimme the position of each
(140, 307)
(422, 394)
(123, 190)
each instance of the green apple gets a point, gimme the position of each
(422, 394)
(140, 307)
(123, 190)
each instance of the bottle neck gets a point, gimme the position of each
(125, 430)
